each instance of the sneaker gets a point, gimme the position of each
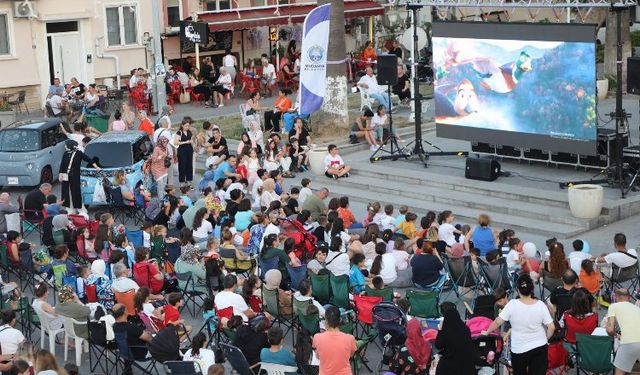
(373, 148)
(346, 175)
(220, 105)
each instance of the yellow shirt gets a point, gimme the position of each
(627, 316)
(408, 228)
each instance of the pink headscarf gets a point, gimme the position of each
(4, 198)
(416, 345)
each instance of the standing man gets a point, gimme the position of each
(369, 83)
(164, 131)
(626, 315)
(69, 175)
(333, 347)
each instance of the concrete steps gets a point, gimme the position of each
(524, 210)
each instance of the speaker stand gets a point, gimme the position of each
(394, 152)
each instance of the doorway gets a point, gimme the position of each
(65, 51)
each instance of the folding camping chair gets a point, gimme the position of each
(385, 293)
(496, 276)
(271, 304)
(339, 290)
(424, 304)
(237, 360)
(547, 282)
(462, 277)
(621, 276)
(182, 368)
(310, 322)
(594, 354)
(296, 275)
(127, 359)
(190, 294)
(321, 287)
(276, 369)
(100, 347)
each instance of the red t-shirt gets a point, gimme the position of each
(171, 314)
(146, 126)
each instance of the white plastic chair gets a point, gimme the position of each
(80, 343)
(45, 327)
(275, 369)
(365, 100)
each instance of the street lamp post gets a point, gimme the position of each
(160, 94)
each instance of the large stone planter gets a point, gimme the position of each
(602, 86)
(585, 201)
(316, 160)
(6, 118)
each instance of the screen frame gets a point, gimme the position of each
(576, 33)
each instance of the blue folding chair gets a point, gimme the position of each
(296, 274)
(135, 237)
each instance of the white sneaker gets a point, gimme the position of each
(221, 105)
(373, 147)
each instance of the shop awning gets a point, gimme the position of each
(242, 19)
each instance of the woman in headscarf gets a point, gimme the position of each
(272, 281)
(69, 175)
(102, 282)
(159, 169)
(268, 193)
(70, 306)
(455, 346)
(6, 208)
(413, 356)
(189, 262)
(60, 229)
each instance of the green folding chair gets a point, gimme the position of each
(385, 293)
(321, 288)
(271, 304)
(424, 304)
(59, 271)
(594, 354)
(339, 290)
(310, 322)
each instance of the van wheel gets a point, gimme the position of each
(46, 176)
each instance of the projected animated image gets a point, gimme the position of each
(537, 87)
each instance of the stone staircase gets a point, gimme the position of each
(544, 213)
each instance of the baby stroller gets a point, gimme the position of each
(304, 241)
(488, 349)
(391, 324)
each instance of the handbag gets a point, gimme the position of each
(167, 161)
(185, 97)
(251, 112)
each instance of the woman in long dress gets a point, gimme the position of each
(184, 141)
(69, 175)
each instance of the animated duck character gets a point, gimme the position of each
(502, 79)
(465, 102)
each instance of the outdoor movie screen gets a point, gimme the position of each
(523, 85)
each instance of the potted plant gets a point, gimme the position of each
(585, 200)
(7, 114)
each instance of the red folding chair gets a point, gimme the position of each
(558, 359)
(91, 292)
(364, 311)
(197, 98)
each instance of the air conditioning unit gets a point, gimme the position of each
(24, 9)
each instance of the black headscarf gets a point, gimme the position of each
(70, 144)
(454, 342)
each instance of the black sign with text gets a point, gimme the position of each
(194, 32)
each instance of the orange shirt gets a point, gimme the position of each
(146, 126)
(283, 104)
(590, 282)
(369, 54)
(334, 350)
(347, 217)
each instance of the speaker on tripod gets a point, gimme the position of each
(633, 75)
(387, 70)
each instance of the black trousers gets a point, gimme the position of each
(532, 362)
(185, 163)
(272, 121)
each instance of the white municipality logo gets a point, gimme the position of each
(316, 54)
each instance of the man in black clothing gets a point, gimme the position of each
(217, 147)
(137, 338)
(36, 201)
(300, 133)
(236, 196)
(560, 297)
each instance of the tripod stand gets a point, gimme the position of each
(615, 173)
(394, 151)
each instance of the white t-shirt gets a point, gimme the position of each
(305, 192)
(337, 263)
(133, 81)
(401, 258)
(527, 324)
(10, 338)
(622, 260)
(385, 222)
(124, 284)
(378, 120)
(445, 233)
(254, 188)
(228, 60)
(388, 271)
(205, 359)
(575, 260)
(271, 228)
(54, 102)
(146, 239)
(225, 81)
(332, 161)
(225, 299)
(269, 71)
(204, 230)
(372, 84)
(512, 259)
(232, 187)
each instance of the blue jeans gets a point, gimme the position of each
(382, 98)
(206, 178)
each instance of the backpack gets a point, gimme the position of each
(153, 208)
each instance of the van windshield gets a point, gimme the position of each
(19, 140)
(110, 155)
